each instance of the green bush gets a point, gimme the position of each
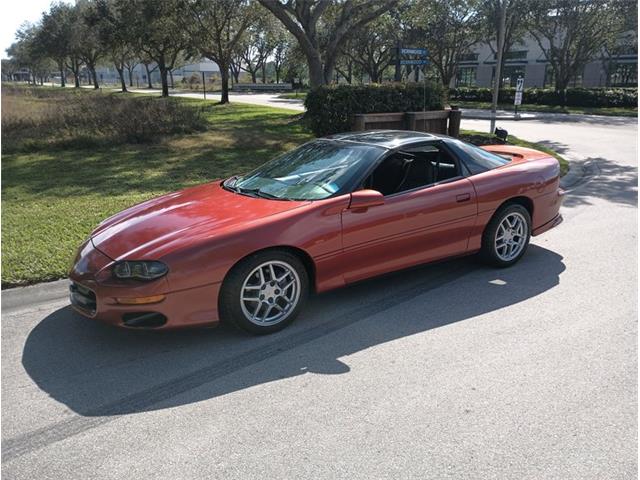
(576, 97)
(330, 109)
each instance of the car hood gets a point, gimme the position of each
(180, 218)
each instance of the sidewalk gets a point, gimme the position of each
(479, 114)
(264, 99)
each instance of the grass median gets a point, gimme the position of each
(57, 189)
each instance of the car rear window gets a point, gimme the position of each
(475, 158)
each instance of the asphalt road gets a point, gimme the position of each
(445, 371)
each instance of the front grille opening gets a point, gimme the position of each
(83, 298)
(144, 319)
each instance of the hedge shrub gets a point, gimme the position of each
(576, 97)
(330, 109)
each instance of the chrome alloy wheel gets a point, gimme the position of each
(270, 293)
(511, 236)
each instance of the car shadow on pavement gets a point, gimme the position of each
(99, 371)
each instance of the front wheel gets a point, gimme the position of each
(264, 292)
(507, 235)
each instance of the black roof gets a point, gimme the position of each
(386, 138)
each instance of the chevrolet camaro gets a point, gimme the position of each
(336, 210)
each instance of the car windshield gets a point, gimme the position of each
(313, 171)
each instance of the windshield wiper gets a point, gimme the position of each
(258, 193)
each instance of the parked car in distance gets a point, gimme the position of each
(336, 210)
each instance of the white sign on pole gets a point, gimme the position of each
(519, 90)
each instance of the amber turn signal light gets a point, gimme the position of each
(140, 300)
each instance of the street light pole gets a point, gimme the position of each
(498, 75)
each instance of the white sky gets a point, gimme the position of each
(14, 13)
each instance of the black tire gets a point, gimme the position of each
(489, 252)
(230, 303)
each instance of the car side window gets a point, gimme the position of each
(412, 168)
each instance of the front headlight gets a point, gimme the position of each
(140, 270)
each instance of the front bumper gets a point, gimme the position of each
(94, 293)
(187, 308)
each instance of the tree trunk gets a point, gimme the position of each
(76, 79)
(277, 75)
(163, 79)
(146, 67)
(264, 73)
(253, 77)
(171, 75)
(561, 89)
(62, 79)
(130, 70)
(224, 79)
(123, 84)
(316, 75)
(94, 75)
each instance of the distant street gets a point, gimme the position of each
(446, 371)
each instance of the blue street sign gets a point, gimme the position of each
(414, 51)
(414, 62)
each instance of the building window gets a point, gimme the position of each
(550, 79)
(624, 75)
(513, 55)
(510, 75)
(466, 77)
(468, 57)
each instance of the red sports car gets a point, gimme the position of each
(333, 211)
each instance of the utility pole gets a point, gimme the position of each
(398, 75)
(498, 75)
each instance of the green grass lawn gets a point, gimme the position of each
(293, 95)
(52, 197)
(607, 111)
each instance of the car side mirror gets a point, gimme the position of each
(363, 199)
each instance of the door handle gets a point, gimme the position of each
(463, 197)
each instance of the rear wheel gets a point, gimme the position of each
(264, 292)
(506, 238)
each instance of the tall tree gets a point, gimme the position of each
(282, 48)
(56, 29)
(90, 47)
(27, 53)
(257, 45)
(321, 40)
(215, 28)
(372, 48)
(517, 24)
(115, 29)
(448, 29)
(571, 33)
(159, 34)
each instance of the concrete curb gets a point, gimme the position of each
(21, 297)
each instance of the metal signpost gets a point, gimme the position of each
(205, 67)
(519, 91)
(419, 57)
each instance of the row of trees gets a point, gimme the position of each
(322, 38)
